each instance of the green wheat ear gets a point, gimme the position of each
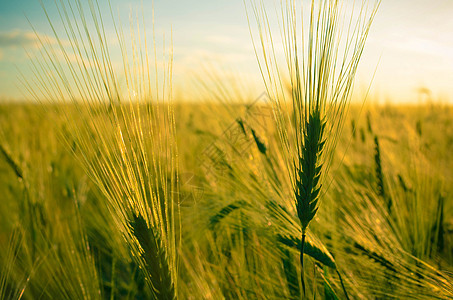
(308, 170)
(308, 173)
(155, 257)
(321, 72)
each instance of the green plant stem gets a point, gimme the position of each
(302, 262)
(342, 285)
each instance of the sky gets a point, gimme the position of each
(409, 52)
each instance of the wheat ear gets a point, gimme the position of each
(320, 86)
(308, 172)
(121, 119)
(154, 257)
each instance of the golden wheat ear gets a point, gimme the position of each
(120, 118)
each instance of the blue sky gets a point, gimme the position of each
(411, 43)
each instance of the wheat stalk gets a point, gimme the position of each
(127, 141)
(7, 269)
(321, 71)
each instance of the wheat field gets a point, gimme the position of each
(113, 188)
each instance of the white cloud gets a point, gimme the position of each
(26, 39)
(17, 38)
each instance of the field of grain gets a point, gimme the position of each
(113, 188)
(385, 222)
